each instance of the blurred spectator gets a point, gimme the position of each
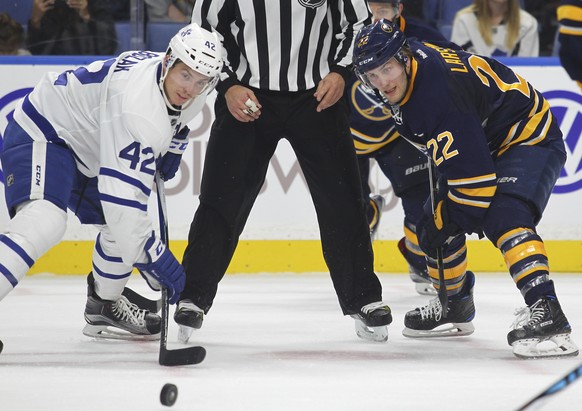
(177, 11)
(120, 9)
(415, 8)
(570, 18)
(65, 27)
(11, 36)
(496, 28)
(544, 11)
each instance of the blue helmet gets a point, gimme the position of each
(375, 44)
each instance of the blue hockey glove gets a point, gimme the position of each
(162, 269)
(433, 230)
(170, 162)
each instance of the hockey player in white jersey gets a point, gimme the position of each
(91, 140)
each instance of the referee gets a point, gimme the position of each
(286, 65)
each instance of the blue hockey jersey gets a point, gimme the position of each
(466, 111)
(371, 123)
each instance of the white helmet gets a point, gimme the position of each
(199, 49)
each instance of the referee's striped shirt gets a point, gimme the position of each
(283, 45)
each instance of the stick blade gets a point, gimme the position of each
(183, 356)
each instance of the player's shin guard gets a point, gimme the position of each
(37, 226)
(110, 272)
(415, 258)
(455, 266)
(527, 261)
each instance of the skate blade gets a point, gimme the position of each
(444, 330)
(560, 345)
(104, 332)
(184, 334)
(374, 334)
(425, 289)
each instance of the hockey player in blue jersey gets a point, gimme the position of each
(570, 18)
(498, 151)
(375, 137)
(91, 140)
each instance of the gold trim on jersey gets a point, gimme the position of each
(467, 202)
(478, 192)
(471, 180)
(572, 31)
(569, 12)
(413, 71)
(531, 127)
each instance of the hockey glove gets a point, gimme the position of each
(170, 162)
(162, 269)
(434, 230)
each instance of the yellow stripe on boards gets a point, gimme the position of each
(302, 256)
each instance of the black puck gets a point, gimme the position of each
(169, 395)
(1, 346)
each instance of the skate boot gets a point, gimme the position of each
(543, 321)
(428, 321)
(372, 321)
(119, 320)
(376, 204)
(419, 276)
(189, 317)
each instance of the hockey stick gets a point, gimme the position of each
(442, 294)
(556, 387)
(182, 356)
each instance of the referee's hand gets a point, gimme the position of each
(236, 97)
(329, 90)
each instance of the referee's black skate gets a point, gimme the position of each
(372, 321)
(189, 317)
(428, 321)
(119, 320)
(542, 321)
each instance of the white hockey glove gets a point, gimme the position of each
(170, 162)
(162, 269)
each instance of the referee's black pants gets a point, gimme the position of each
(235, 166)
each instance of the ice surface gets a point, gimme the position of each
(276, 342)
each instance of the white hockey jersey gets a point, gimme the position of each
(466, 34)
(113, 117)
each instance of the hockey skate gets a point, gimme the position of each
(428, 321)
(118, 320)
(377, 204)
(541, 331)
(419, 276)
(189, 317)
(372, 322)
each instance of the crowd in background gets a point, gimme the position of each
(88, 27)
